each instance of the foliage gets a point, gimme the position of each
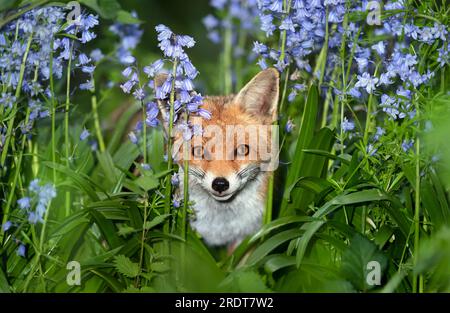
(364, 172)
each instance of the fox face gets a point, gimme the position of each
(228, 157)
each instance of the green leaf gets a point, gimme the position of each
(126, 18)
(125, 266)
(4, 286)
(107, 9)
(271, 243)
(147, 182)
(156, 221)
(355, 259)
(125, 230)
(305, 135)
(314, 184)
(80, 180)
(7, 4)
(278, 223)
(159, 267)
(329, 207)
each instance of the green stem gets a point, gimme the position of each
(185, 185)
(284, 92)
(144, 132)
(369, 114)
(168, 194)
(141, 252)
(21, 12)
(17, 95)
(54, 104)
(15, 179)
(98, 131)
(227, 61)
(239, 62)
(66, 124)
(417, 212)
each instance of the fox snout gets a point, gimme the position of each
(220, 184)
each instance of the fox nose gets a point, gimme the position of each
(220, 184)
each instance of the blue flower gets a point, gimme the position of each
(289, 127)
(175, 179)
(176, 203)
(152, 114)
(133, 138)
(84, 134)
(407, 145)
(210, 22)
(6, 226)
(21, 251)
(127, 71)
(346, 125)
(24, 203)
(366, 81)
(88, 85)
(139, 94)
(96, 55)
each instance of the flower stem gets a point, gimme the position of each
(16, 176)
(66, 124)
(8, 138)
(369, 114)
(141, 252)
(17, 95)
(185, 185)
(227, 61)
(98, 131)
(417, 281)
(144, 133)
(53, 101)
(168, 194)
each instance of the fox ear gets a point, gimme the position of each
(260, 96)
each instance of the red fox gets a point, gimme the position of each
(227, 185)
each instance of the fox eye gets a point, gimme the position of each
(197, 152)
(242, 150)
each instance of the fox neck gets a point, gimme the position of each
(223, 223)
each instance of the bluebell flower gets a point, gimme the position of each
(127, 71)
(176, 203)
(380, 132)
(130, 36)
(88, 69)
(175, 179)
(154, 68)
(152, 114)
(7, 100)
(84, 134)
(21, 250)
(6, 226)
(88, 85)
(132, 137)
(367, 82)
(24, 203)
(371, 150)
(96, 55)
(139, 94)
(346, 125)
(210, 22)
(83, 59)
(379, 48)
(289, 127)
(407, 145)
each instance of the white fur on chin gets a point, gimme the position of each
(226, 222)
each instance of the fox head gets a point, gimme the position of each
(228, 150)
